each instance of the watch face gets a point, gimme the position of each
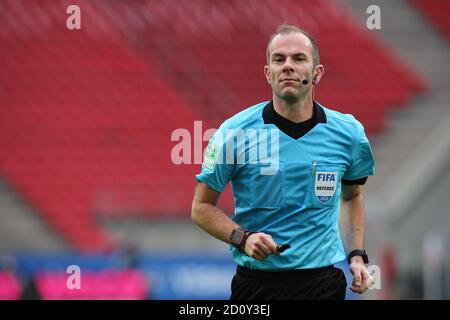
(237, 236)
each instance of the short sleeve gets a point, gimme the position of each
(218, 164)
(362, 161)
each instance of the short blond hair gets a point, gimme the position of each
(286, 29)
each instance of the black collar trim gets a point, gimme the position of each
(292, 129)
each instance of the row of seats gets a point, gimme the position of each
(356, 63)
(111, 154)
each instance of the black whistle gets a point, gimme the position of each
(283, 247)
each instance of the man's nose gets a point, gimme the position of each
(288, 66)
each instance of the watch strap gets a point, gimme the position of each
(358, 252)
(240, 245)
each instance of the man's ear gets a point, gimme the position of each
(267, 73)
(319, 70)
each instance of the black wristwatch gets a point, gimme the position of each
(238, 238)
(358, 252)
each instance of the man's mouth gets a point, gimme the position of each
(289, 79)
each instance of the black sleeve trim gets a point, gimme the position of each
(352, 182)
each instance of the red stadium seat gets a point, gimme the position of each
(436, 11)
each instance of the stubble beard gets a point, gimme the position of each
(289, 97)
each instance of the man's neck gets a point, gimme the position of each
(299, 111)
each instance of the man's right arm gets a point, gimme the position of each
(218, 224)
(207, 216)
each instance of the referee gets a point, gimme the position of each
(292, 164)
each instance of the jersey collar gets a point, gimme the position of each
(292, 129)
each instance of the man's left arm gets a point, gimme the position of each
(352, 226)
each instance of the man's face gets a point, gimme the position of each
(290, 61)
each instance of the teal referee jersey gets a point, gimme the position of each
(288, 186)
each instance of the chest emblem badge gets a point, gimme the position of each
(325, 185)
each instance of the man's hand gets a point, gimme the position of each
(260, 246)
(362, 280)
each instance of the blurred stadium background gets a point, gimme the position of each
(86, 118)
